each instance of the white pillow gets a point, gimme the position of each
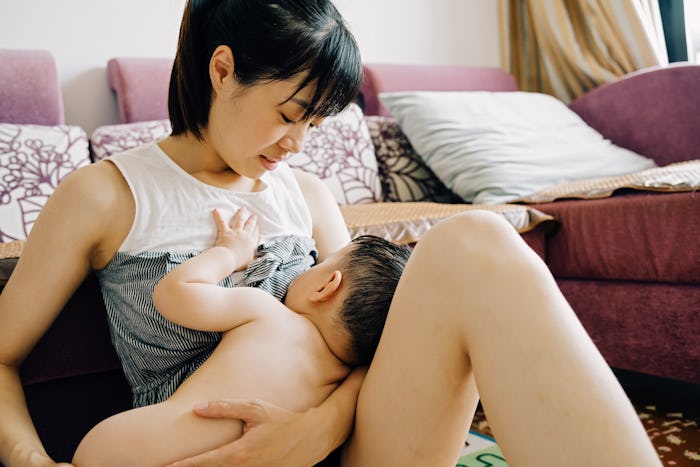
(498, 147)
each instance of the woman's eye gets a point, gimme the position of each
(285, 119)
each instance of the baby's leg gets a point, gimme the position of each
(169, 431)
(476, 307)
(152, 436)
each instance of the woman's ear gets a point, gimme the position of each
(221, 67)
(328, 289)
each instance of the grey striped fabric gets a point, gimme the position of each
(158, 355)
(278, 262)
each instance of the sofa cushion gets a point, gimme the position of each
(341, 153)
(113, 139)
(33, 161)
(403, 173)
(633, 237)
(496, 147)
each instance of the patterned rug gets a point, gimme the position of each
(675, 436)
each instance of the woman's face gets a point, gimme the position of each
(253, 128)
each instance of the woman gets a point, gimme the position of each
(474, 307)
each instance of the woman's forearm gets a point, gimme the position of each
(18, 437)
(333, 420)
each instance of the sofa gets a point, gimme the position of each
(629, 263)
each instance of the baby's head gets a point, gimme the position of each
(371, 268)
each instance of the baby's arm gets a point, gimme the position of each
(189, 294)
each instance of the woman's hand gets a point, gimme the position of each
(272, 436)
(35, 459)
(241, 235)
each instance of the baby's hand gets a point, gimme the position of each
(240, 235)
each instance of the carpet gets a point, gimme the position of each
(675, 435)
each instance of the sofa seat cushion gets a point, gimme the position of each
(629, 236)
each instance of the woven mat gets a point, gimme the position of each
(11, 249)
(399, 222)
(407, 222)
(682, 176)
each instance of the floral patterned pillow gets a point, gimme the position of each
(341, 153)
(113, 139)
(404, 175)
(33, 160)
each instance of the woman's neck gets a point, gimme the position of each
(199, 160)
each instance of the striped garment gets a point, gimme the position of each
(158, 355)
(172, 223)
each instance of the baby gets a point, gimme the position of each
(292, 354)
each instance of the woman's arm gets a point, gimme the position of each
(78, 228)
(329, 229)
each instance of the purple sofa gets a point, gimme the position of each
(629, 264)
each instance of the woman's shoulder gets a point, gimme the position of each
(99, 182)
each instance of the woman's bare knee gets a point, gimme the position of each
(481, 236)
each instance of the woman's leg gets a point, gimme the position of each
(477, 308)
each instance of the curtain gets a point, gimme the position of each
(567, 47)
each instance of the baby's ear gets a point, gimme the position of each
(328, 288)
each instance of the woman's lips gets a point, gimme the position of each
(269, 164)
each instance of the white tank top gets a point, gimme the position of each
(173, 208)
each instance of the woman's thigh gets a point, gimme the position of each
(419, 395)
(476, 305)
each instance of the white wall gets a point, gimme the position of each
(83, 34)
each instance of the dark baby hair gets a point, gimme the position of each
(372, 268)
(271, 40)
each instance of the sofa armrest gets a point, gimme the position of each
(653, 112)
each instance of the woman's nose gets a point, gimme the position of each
(293, 141)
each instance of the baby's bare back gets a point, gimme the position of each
(284, 361)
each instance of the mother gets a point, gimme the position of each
(475, 306)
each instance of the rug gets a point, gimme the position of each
(675, 436)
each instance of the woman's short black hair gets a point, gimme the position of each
(271, 40)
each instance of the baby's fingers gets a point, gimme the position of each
(239, 219)
(252, 227)
(220, 223)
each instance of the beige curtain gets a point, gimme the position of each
(567, 47)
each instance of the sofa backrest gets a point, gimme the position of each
(29, 88)
(654, 112)
(382, 77)
(141, 87)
